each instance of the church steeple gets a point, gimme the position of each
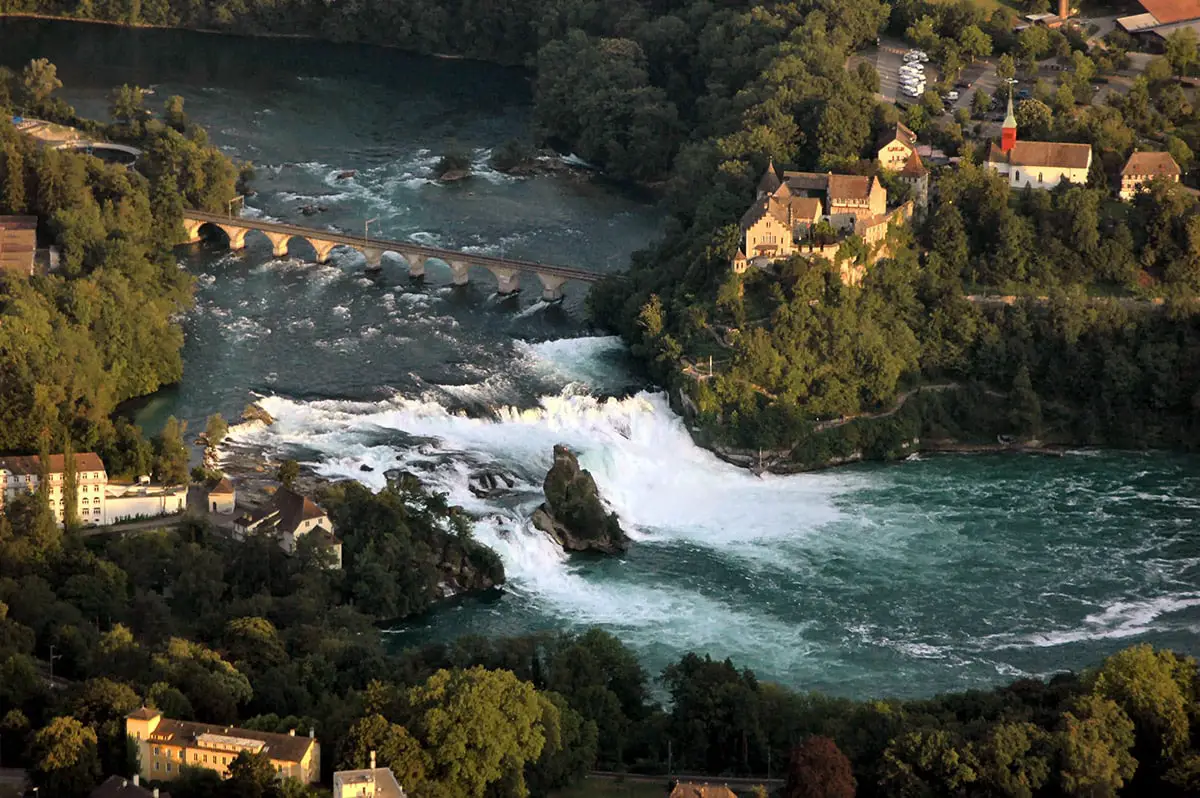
(1008, 131)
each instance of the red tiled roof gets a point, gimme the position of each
(806, 208)
(913, 166)
(1157, 164)
(1043, 153)
(222, 488)
(31, 463)
(846, 187)
(1166, 11)
(18, 243)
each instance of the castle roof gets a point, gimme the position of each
(850, 187)
(1156, 164)
(807, 208)
(913, 167)
(770, 180)
(768, 206)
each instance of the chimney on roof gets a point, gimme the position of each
(154, 792)
(137, 779)
(1064, 9)
(372, 759)
(124, 782)
(312, 733)
(291, 732)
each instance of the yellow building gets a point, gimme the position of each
(895, 147)
(23, 475)
(165, 746)
(779, 222)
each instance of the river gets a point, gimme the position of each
(907, 579)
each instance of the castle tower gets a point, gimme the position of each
(1008, 131)
(769, 181)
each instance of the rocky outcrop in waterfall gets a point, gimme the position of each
(573, 513)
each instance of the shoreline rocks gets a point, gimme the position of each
(573, 513)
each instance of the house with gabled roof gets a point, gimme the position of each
(895, 147)
(290, 516)
(1142, 167)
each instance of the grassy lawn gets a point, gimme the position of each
(602, 788)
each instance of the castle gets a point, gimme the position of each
(784, 219)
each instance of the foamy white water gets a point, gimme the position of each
(824, 579)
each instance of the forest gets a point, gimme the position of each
(100, 329)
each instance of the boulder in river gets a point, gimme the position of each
(254, 412)
(573, 513)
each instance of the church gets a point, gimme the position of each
(1037, 164)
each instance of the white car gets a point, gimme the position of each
(911, 81)
(922, 56)
(906, 74)
(912, 56)
(915, 91)
(952, 96)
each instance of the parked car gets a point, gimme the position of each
(922, 56)
(1024, 94)
(963, 84)
(915, 91)
(951, 95)
(911, 56)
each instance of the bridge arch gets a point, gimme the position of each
(507, 271)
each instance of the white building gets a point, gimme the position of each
(370, 782)
(22, 474)
(128, 501)
(1037, 164)
(290, 516)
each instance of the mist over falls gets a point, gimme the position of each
(910, 579)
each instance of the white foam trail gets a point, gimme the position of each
(1118, 620)
(589, 360)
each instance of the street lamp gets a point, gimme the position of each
(53, 657)
(229, 205)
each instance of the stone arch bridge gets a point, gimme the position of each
(507, 271)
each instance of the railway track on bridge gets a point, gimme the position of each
(506, 270)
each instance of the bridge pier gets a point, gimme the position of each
(237, 235)
(416, 264)
(191, 227)
(322, 247)
(552, 287)
(507, 280)
(374, 258)
(279, 243)
(459, 272)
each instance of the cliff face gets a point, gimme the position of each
(573, 513)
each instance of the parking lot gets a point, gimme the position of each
(888, 59)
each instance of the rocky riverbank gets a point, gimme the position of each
(464, 566)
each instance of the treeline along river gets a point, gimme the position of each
(908, 579)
